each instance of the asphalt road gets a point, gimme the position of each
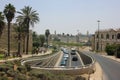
(71, 63)
(75, 63)
(111, 68)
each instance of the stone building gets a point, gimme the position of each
(105, 37)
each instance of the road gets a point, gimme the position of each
(111, 68)
(71, 63)
(75, 63)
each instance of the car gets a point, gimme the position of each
(63, 63)
(66, 55)
(65, 58)
(73, 51)
(75, 58)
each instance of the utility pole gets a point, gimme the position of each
(98, 33)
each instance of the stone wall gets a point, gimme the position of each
(13, 39)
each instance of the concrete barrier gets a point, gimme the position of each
(68, 71)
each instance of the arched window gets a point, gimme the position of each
(102, 36)
(107, 36)
(97, 36)
(112, 36)
(118, 36)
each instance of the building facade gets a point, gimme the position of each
(105, 37)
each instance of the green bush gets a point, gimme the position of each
(118, 51)
(110, 49)
(11, 73)
(28, 67)
(22, 69)
(20, 77)
(3, 78)
(2, 74)
(4, 68)
(80, 78)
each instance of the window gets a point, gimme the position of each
(118, 36)
(101, 36)
(112, 36)
(97, 46)
(107, 36)
(97, 36)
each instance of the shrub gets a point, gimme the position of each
(4, 78)
(2, 74)
(118, 51)
(110, 49)
(28, 67)
(79, 78)
(20, 77)
(11, 73)
(4, 68)
(22, 69)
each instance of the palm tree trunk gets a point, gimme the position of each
(18, 54)
(27, 45)
(24, 42)
(47, 42)
(24, 45)
(8, 39)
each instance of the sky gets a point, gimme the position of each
(71, 16)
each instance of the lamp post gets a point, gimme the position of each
(98, 33)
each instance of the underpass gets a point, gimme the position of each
(72, 67)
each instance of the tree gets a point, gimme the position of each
(42, 40)
(47, 33)
(28, 16)
(9, 12)
(110, 49)
(2, 23)
(19, 30)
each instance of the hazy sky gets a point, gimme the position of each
(68, 16)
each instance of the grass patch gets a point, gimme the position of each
(68, 44)
(1, 56)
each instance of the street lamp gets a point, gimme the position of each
(98, 33)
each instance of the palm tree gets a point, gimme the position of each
(42, 40)
(47, 33)
(28, 16)
(2, 23)
(9, 12)
(19, 30)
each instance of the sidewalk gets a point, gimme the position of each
(26, 56)
(112, 57)
(97, 75)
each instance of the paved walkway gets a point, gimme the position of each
(26, 56)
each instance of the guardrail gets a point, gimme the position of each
(88, 68)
